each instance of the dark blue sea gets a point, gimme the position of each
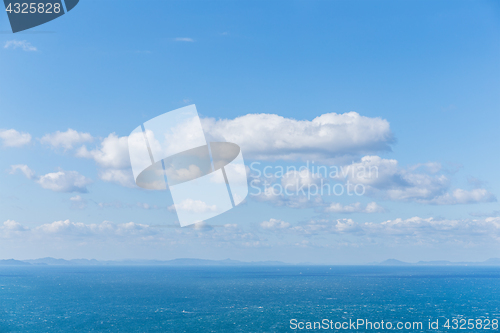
(247, 299)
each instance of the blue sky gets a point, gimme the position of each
(428, 70)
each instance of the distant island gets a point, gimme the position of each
(48, 261)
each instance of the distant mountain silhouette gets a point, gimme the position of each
(12, 262)
(175, 262)
(49, 261)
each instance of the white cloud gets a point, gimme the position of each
(270, 137)
(372, 207)
(60, 181)
(116, 204)
(274, 224)
(121, 177)
(106, 228)
(22, 44)
(67, 139)
(460, 196)
(193, 206)
(64, 181)
(337, 207)
(273, 137)
(384, 178)
(356, 207)
(183, 174)
(71, 235)
(183, 39)
(264, 136)
(416, 230)
(13, 138)
(11, 225)
(339, 226)
(146, 206)
(77, 202)
(30, 174)
(112, 152)
(113, 157)
(293, 180)
(275, 195)
(431, 167)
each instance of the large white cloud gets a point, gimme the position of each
(60, 181)
(270, 137)
(13, 138)
(327, 137)
(273, 137)
(66, 140)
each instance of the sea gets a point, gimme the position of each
(249, 299)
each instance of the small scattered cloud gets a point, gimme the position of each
(193, 206)
(116, 204)
(77, 202)
(416, 229)
(146, 206)
(183, 39)
(66, 140)
(13, 138)
(27, 172)
(66, 232)
(106, 228)
(64, 181)
(462, 197)
(475, 182)
(356, 207)
(60, 181)
(123, 177)
(275, 224)
(20, 44)
(11, 227)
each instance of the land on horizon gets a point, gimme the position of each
(49, 261)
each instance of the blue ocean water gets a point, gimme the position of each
(240, 299)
